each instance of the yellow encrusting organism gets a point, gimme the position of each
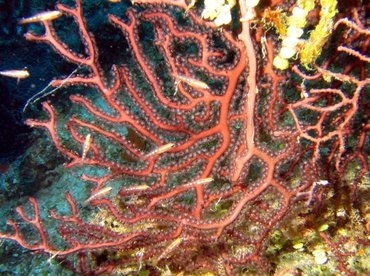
(296, 22)
(277, 19)
(313, 46)
(292, 44)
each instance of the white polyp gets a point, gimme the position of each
(290, 42)
(294, 32)
(299, 12)
(252, 3)
(287, 52)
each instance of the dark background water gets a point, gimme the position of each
(41, 61)
(17, 53)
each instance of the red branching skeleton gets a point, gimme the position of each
(211, 167)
